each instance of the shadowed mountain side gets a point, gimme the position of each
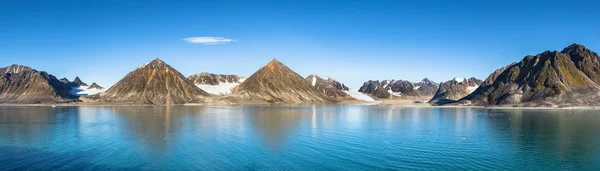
(24, 85)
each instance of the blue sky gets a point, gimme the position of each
(351, 41)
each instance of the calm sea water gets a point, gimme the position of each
(320, 137)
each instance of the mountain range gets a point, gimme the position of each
(399, 89)
(570, 77)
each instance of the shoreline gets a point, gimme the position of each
(353, 103)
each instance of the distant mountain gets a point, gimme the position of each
(399, 89)
(154, 83)
(218, 84)
(567, 78)
(95, 86)
(375, 89)
(214, 79)
(455, 89)
(22, 84)
(276, 83)
(80, 88)
(426, 87)
(77, 82)
(65, 81)
(329, 86)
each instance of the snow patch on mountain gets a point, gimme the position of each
(472, 88)
(359, 96)
(395, 93)
(84, 91)
(144, 65)
(220, 89)
(459, 80)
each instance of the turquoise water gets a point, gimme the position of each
(320, 137)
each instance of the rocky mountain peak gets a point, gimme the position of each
(276, 83)
(274, 65)
(156, 83)
(78, 82)
(95, 86)
(575, 48)
(64, 80)
(156, 63)
(15, 68)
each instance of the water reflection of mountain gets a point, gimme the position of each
(26, 125)
(154, 127)
(276, 124)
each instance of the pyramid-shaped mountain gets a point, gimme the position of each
(95, 86)
(22, 84)
(155, 83)
(77, 82)
(567, 78)
(276, 83)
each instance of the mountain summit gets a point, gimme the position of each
(78, 82)
(276, 83)
(22, 84)
(156, 83)
(567, 78)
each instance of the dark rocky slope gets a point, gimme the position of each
(567, 78)
(276, 83)
(22, 84)
(155, 83)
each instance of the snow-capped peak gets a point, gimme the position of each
(144, 65)
(459, 80)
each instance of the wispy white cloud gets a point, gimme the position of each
(208, 40)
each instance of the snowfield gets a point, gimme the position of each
(221, 89)
(83, 91)
(459, 80)
(472, 88)
(359, 96)
(395, 93)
